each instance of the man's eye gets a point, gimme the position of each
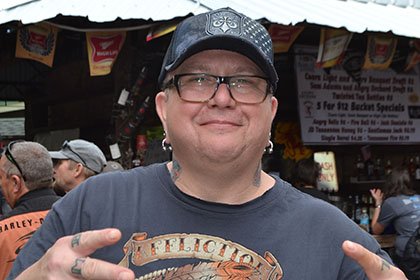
(240, 82)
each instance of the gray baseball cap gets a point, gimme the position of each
(112, 166)
(82, 151)
(222, 29)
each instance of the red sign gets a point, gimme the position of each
(105, 48)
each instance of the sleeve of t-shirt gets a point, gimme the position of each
(55, 226)
(349, 269)
(387, 214)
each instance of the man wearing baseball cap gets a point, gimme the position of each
(211, 212)
(75, 162)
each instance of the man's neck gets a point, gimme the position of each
(221, 184)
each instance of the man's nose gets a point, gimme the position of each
(222, 97)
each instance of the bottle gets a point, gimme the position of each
(417, 176)
(349, 207)
(357, 209)
(114, 147)
(364, 220)
(132, 124)
(360, 166)
(388, 167)
(371, 207)
(378, 169)
(370, 168)
(412, 167)
(140, 150)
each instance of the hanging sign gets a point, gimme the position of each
(332, 46)
(160, 31)
(379, 52)
(37, 42)
(103, 49)
(328, 180)
(283, 36)
(384, 108)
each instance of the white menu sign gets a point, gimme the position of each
(383, 109)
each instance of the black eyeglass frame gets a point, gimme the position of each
(66, 145)
(9, 156)
(174, 81)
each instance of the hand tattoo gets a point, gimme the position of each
(77, 267)
(385, 265)
(75, 241)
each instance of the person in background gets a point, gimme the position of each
(26, 176)
(305, 177)
(398, 204)
(211, 212)
(74, 163)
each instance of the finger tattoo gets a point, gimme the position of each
(385, 265)
(77, 267)
(75, 241)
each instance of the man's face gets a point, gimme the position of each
(221, 129)
(6, 184)
(63, 174)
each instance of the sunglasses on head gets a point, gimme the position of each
(66, 145)
(10, 157)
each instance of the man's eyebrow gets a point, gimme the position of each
(200, 68)
(194, 68)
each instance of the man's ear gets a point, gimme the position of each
(78, 170)
(274, 105)
(161, 101)
(17, 183)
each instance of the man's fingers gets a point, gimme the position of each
(88, 268)
(87, 242)
(374, 266)
(361, 255)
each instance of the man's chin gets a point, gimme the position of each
(58, 189)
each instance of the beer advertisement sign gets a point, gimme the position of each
(384, 108)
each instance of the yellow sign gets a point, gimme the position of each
(37, 42)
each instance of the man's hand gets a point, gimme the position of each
(68, 259)
(374, 266)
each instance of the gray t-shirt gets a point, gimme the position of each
(168, 232)
(404, 213)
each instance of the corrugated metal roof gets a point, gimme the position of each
(356, 16)
(101, 10)
(399, 16)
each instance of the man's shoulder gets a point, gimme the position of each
(117, 181)
(143, 172)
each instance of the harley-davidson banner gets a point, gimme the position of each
(37, 42)
(103, 50)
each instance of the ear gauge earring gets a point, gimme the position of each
(166, 147)
(269, 149)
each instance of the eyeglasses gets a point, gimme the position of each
(67, 146)
(9, 156)
(201, 87)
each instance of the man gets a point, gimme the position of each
(25, 178)
(75, 162)
(211, 213)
